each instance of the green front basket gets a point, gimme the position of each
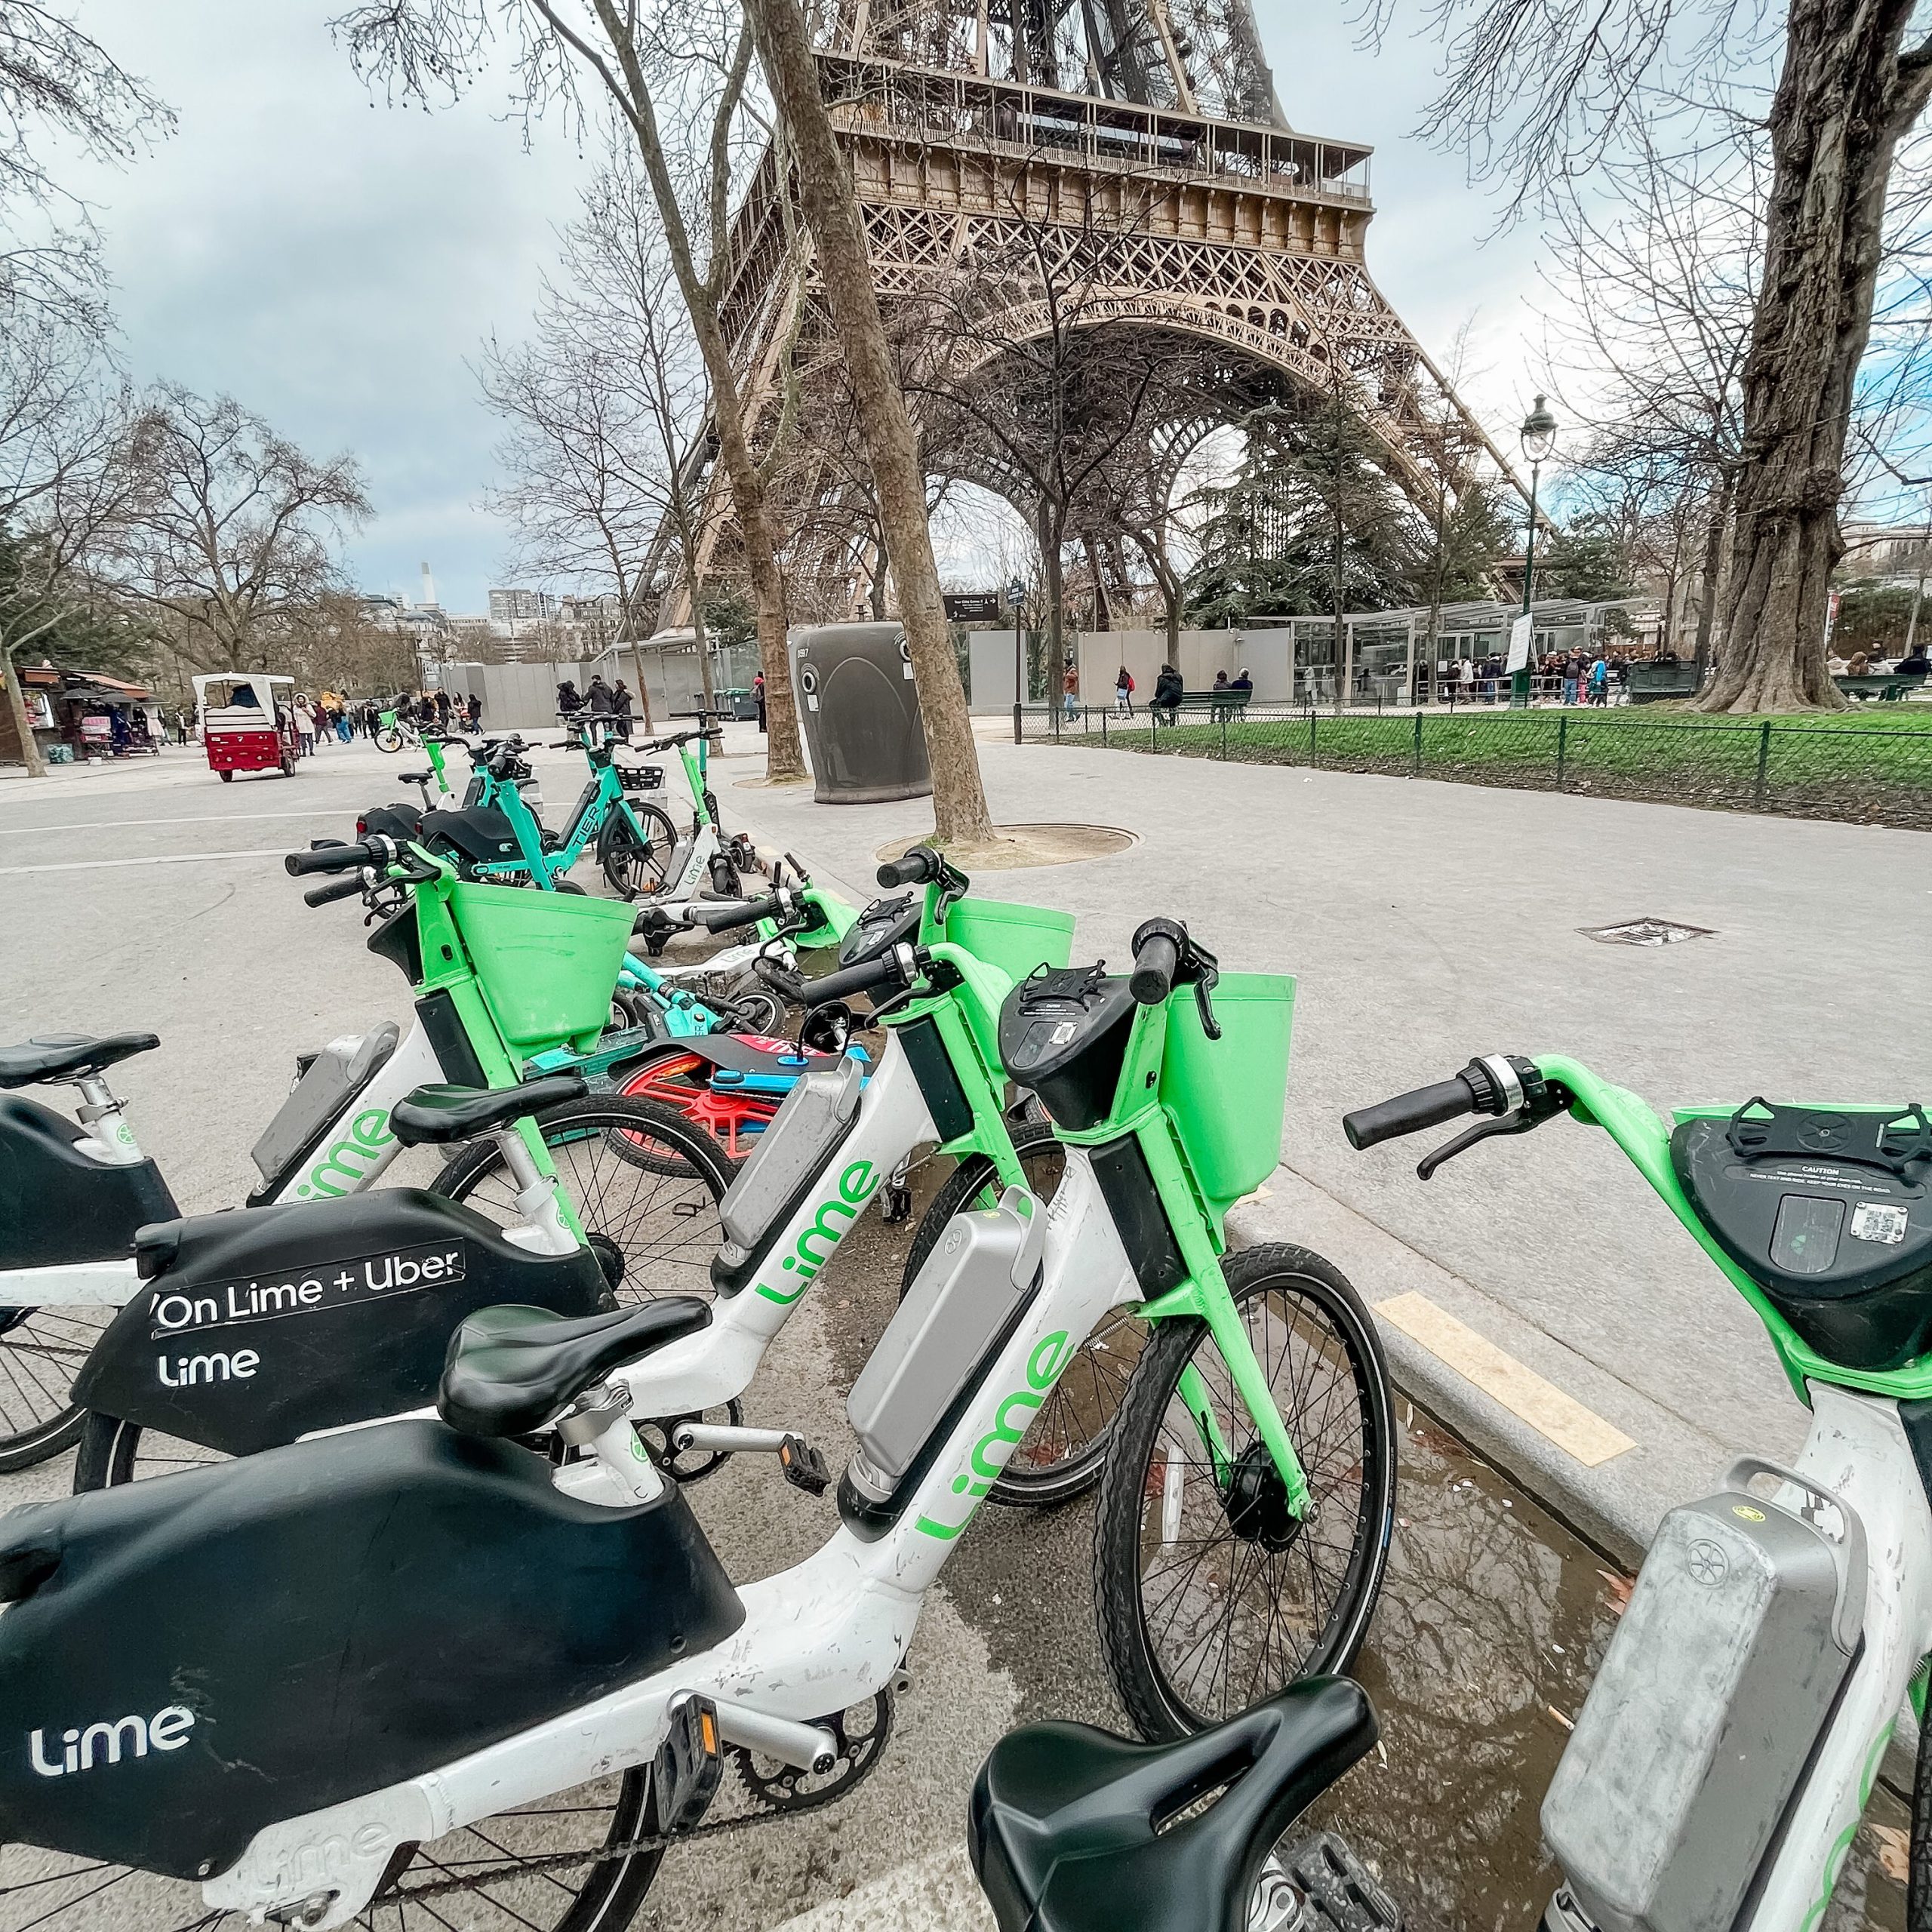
(546, 962)
(1225, 1096)
(1015, 940)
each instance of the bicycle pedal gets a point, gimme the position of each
(690, 1763)
(897, 1206)
(804, 1466)
(1339, 1893)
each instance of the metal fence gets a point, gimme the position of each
(1876, 775)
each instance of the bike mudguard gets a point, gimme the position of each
(256, 1328)
(57, 1205)
(187, 1660)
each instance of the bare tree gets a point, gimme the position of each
(225, 530)
(831, 207)
(56, 81)
(678, 85)
(1543, 93)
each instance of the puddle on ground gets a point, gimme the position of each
(1492, 1624)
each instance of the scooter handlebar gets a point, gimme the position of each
(920, 866)
(336, 888)
(728, 917)
(336, 858)
(1157, 955)
(888, 969)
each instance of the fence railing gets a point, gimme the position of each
(1879, 774)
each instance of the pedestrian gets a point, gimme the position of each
(597, 699)
(1599, 682)
(345, 726)
(1466, 677)
(1124, 692)
(757, 694)
(304, 725)
(569, 700)
(1069, 684)
(1243, 686)
(620, 709)
(1167, 690)
(1573, 676)
(475, 713)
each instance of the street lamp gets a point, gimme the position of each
(1015, 595)
(1538, 438)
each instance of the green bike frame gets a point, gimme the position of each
(596, 804)
(1138, 1114)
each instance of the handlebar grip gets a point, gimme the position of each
(1410, 1113)
(1156, 960)
(863, 978)
(330, 859)
(727, 917)
(920, 866)
(336, 888)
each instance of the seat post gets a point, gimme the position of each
(600, 1420)
(543, 1229)
(113, 1146)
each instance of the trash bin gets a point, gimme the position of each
(860, 709)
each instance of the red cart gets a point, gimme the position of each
(248, 723)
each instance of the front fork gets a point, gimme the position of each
(1205, 1295)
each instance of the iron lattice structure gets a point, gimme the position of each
(1097, 170)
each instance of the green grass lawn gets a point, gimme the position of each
(1873, 762)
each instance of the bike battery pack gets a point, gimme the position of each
(330, 1079)
(814, 1118)
(982, 1267)
(1716, 1685)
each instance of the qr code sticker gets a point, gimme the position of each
(1872, 1221)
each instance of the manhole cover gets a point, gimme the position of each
(1644, 932)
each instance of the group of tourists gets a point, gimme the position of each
(1169, 690)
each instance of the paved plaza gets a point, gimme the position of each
(1425, 922)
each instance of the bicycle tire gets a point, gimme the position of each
(389, 739)
(1038, 1474)
(637, 871)
(592, 1897)
(42, 1350)
(1139, 1480)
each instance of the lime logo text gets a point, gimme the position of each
(350, 1163)
(134, 1736)
(856, 1185)
(1011, 1419)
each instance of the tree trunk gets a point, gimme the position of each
(16, 703)
(1842, 101)
(1711, 587)
(1053, 581)
(784, 758)
(832, 212)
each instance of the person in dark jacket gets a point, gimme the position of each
(621, 705)
(1168, 688)
(569, 700)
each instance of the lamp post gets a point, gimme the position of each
(1538, 437)
(1016, 596)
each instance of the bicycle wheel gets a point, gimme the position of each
(646, 1183)
(1211, 1596)
(389, 739)
(502, 1889)
(42, 1350)
(1062, 1454)
(637, 867)
(673, 1076)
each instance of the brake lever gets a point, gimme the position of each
(1520, 1121)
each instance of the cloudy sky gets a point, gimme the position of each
(333, 265)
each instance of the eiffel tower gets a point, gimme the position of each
(1231, 234)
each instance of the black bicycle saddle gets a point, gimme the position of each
(1065, 1820)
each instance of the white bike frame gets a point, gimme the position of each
(1857, 1451)
(817, 1639)
(353, 1154)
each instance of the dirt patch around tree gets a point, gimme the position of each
(1017, 848)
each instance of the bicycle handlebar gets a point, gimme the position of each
(724, 918)
(1410, 1113)
(920, 866)
(891, 968)
(336, 888)
(1157, 948)
(338, 858)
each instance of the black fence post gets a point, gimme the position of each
(1103, 725)
(1415, 770)
(1016, 738)
(1311, 735)
(1224, 735)
(1562, 745)
(1764, 760)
